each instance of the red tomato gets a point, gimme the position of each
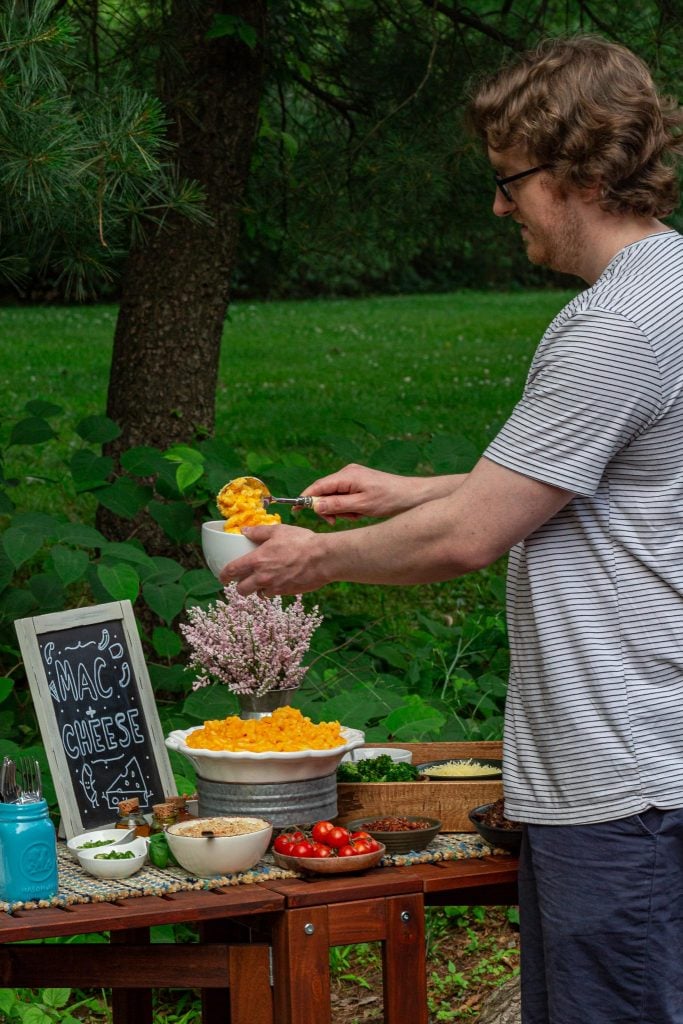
(320, 830)
(337, 837)
(372, 844)
(361, 835)
(303, 849)
(347, 850)
(361, 846)
(283, 843)
(320, 850)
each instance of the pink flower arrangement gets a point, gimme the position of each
(251, 644)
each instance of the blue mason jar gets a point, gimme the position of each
(28, 853)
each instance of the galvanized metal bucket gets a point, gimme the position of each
(281, 803)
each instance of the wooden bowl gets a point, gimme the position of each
(330, 865)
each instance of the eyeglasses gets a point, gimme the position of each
(502, 183)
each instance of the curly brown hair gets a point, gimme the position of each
(589, 109)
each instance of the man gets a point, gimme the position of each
(584, 486)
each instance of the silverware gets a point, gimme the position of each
(10, 790)
(127, 837)
(31, 788)
(267, 498)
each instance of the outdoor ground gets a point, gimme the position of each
(469, 952)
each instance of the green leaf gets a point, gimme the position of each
(127, 553)
(143, 461)
(48, 591)
(90, 470)
(414, 720)
(187, 474)
(120, 581)
(170, 679)
(40, 407)
(175, 519)
(56, 996)
(210, 702)
(98, 429)
(40, 523)
(6, 504)
(125, 497)
(32, 430)
(69, 565)
(20, 545)
(166, 601)
(83, 536)
(165, 642)
(183, 453)
(6, 687)
(232, 25)
(167, 570)
(32, 1014)
(17, 604)
(7, 999)
(201, 583)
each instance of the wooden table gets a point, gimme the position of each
(263, 954)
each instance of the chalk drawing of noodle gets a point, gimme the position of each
(88, 785)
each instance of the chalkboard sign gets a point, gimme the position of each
(96, 712)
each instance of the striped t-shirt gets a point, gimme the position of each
(594, 715)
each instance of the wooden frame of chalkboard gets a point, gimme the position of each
(96, 712)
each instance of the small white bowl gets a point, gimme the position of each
(220, 547)
(115, 868)
(110, 835)
(206, 856)
(363, 753)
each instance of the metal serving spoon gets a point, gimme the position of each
(267, 498)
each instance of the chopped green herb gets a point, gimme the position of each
(115, 855)
(95, 842)
(377, 769)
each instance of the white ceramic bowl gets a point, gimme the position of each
(100, 835)
(114, 868)
(395, 753)
(218, 855)
(270, 766)
(220, 547)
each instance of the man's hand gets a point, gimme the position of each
(357, 491)
(289, 560)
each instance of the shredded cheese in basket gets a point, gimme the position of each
(286, 730)
(454, 768)
(240, 505)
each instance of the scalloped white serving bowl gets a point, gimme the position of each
(270, 766)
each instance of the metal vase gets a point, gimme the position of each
(253, 706)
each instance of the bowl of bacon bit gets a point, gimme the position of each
(492, 825)
(404, 834)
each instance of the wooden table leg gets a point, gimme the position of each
(301, 967)
(131, 1005)
(405, 961)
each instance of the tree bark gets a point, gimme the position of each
(176, 287)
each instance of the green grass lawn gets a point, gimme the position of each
(294, 374)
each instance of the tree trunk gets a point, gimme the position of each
(503, 1005)
(175, 293)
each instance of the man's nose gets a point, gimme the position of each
(502, 207)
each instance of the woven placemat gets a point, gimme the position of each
(77, 886)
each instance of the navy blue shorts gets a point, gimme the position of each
(601, 921)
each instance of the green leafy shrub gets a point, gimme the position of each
(432, 676)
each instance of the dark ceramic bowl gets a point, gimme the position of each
(399, 842)
(476, 764)
(503, 838)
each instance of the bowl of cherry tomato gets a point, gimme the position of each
(327, 849)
